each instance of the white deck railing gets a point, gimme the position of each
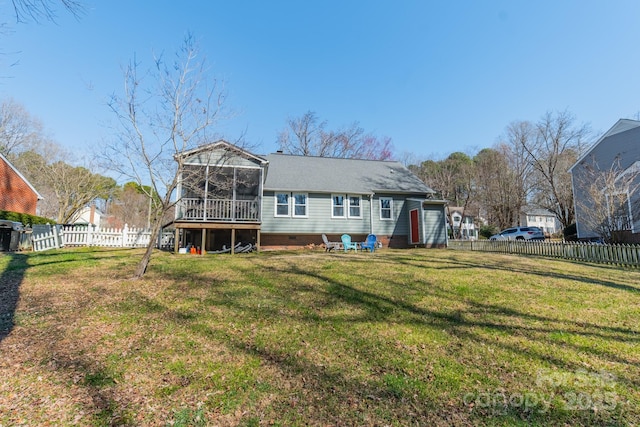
(218, 210)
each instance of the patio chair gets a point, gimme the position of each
(347, 244)
(370, 243)
(328, 246)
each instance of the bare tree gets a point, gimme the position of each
(496, 185)
(518, 136)
(162, 113)
(454, 178)
(66, 188)
(307, 136)
(555, 147)
(609, 201)
(18, 129)
(44, 10)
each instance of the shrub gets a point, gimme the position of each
(487, 231)
(25, 219)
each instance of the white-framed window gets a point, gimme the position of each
(346, 206)
(282, 204)
(294, 205)
(300, 205)
(355, 207)
(386, 208)
(338, 206)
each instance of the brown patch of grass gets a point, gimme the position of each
(307, 338)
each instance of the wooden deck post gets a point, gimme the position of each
(233, 241)
(204, 241)
(176, 240)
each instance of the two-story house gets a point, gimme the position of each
(461, 223)
(228, 195)
(606, 186)
(544, 219)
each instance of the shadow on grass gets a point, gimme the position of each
(258, 296)
(512, 269)
(97, 380)
(12, 276)
(270, 292)
(10, 280)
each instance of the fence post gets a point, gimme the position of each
(125, 235)
(56, 237)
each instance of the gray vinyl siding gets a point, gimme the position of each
(622, 147)
(400, 223)
(318, 218)
(220, 157)
(434, 225)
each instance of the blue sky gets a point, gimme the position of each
(435, 76)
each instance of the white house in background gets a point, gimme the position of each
(88, 215)
(462, 220)
(531, 216)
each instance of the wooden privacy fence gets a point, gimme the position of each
(57, 236)
(626, 255)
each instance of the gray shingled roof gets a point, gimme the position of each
(331, 175)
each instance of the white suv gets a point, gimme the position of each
(519, 233)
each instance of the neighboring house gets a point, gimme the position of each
(619, 150)
(531, 216)
(228, 195)
(16, 193)
(462, 223)
(88, 215)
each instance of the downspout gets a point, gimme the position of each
(371, 213)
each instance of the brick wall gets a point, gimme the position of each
(15, 193)
(292, 241)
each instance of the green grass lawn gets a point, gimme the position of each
(398, 337)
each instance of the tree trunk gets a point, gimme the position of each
(141, 269)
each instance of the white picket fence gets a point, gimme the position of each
(625, 255)
(45, 237)
(58, 236)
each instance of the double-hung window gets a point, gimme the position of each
(386, 208)
(292, 205)
(282, 204)
(300, 205)
(355, 210)
(346, 206)
(338, 206)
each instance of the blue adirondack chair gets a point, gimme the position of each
(370, 243)
(346, 242)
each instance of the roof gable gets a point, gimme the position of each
(622, 125)
(220, 153)
(17, 172)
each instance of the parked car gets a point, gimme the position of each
(519, 233)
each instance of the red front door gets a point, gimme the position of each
(413, 223)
